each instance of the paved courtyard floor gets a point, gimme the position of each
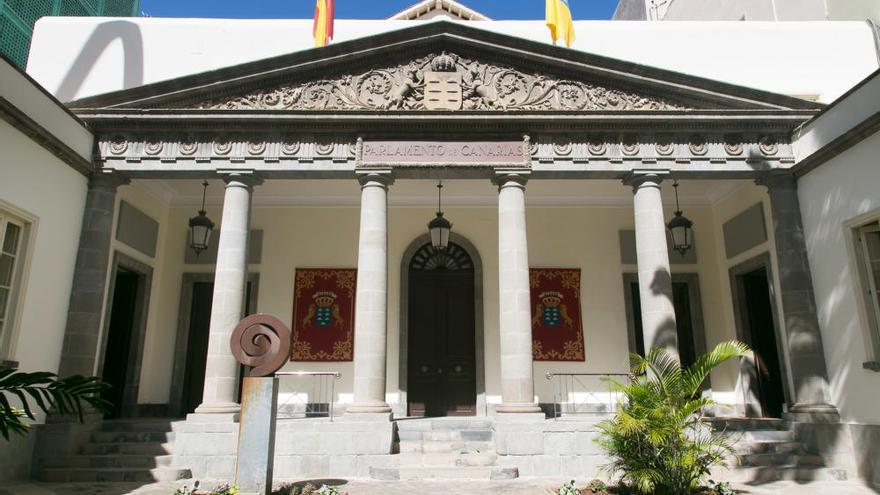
(523, 486)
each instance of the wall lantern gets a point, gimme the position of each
(680, 228)
(200, 227)
(439, 227)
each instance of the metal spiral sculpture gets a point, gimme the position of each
(261, 342)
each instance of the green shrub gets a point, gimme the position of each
(657, 440)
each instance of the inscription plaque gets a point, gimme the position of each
(443, 152)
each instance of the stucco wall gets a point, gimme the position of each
(78, 57)
(839, 191)
(773, 10)
(50, 195)
(575, 236)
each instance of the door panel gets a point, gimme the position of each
(684, 323)
(119, 338)
(441, 373)
(762, 338)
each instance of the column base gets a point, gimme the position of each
(822, 413)
(219, 408)
(517, 407)
(368, 408)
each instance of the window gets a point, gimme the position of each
(11, 240)
(868, 251)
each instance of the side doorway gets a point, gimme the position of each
(688, 315)
(192, 338)
(754, 306)
(124, 331)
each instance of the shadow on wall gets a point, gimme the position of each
(102, 37)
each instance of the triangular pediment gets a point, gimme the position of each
(442, 66)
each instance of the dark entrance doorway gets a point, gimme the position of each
(684, 320)
(756, 313)
(197, 342)
(121, 334)
(441, 372)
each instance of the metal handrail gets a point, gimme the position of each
(335, 374)
(568, 386)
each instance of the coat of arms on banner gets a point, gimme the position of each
(323, 314)
(557, 334)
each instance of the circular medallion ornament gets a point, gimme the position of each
(698, 146)
(664, 148)
(597, 148)
(511, 87)
(629, 148)
(562, 149)
(153, 148)
(118, 145)
(222, 147)
(290, 148)
(256, 147)
(733, 146)
(261, 342)
(324, 149)
(187, 148)
(768, 146)
(571, 95)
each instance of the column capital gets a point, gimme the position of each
(375, 177)
(108, 180)
(511, 177)
(645, 178)
(777, 179)
(240, 178)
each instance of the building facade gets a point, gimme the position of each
(747, 10)
(553, 161)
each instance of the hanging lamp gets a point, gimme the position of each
(439, 227)
(680, 227)
(200, 227)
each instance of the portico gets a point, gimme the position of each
(551, 159)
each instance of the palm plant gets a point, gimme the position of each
(67, 396)
(657, 440)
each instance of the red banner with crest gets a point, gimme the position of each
(557, 333)
(323, 314)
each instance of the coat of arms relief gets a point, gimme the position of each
(442, 82)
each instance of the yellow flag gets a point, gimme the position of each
(559, 21)
(322, 29)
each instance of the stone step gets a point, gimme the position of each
(70, 475)
(748, 424)
(131, 436)
(744, 448)
(456, 447)
(119, 461)
(163, 425)
(443, 472)
(439, 424)
(127, 448)
(767, 474)
(475, 459)
(758, 460)
(766, 436)
(473, 435)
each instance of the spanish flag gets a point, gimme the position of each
(559, 21)
(322, 30)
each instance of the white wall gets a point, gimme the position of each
(83, 56)
(50, 195)
(773, 10)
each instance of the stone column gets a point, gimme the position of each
(652, 256)
(517, 382)
(230, 277)
(806, 356)
(83, 328)
(371, 305)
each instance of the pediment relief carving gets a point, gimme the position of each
(442, 82)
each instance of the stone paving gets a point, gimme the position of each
(523, 486)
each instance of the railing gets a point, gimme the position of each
(315, 399)
(583, 393)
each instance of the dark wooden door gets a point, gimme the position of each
(762, 339)
(441, 355)
(681, 301)
(119, 338)
(197, 345)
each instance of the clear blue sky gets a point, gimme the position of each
(360, 9)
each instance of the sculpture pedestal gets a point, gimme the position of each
(256, 437)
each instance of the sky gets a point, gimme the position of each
(360, 9)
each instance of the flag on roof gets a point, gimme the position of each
(322, 30)
(559, 21)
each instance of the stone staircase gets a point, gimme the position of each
(121, 450)
(444, 448)
(768, 450)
